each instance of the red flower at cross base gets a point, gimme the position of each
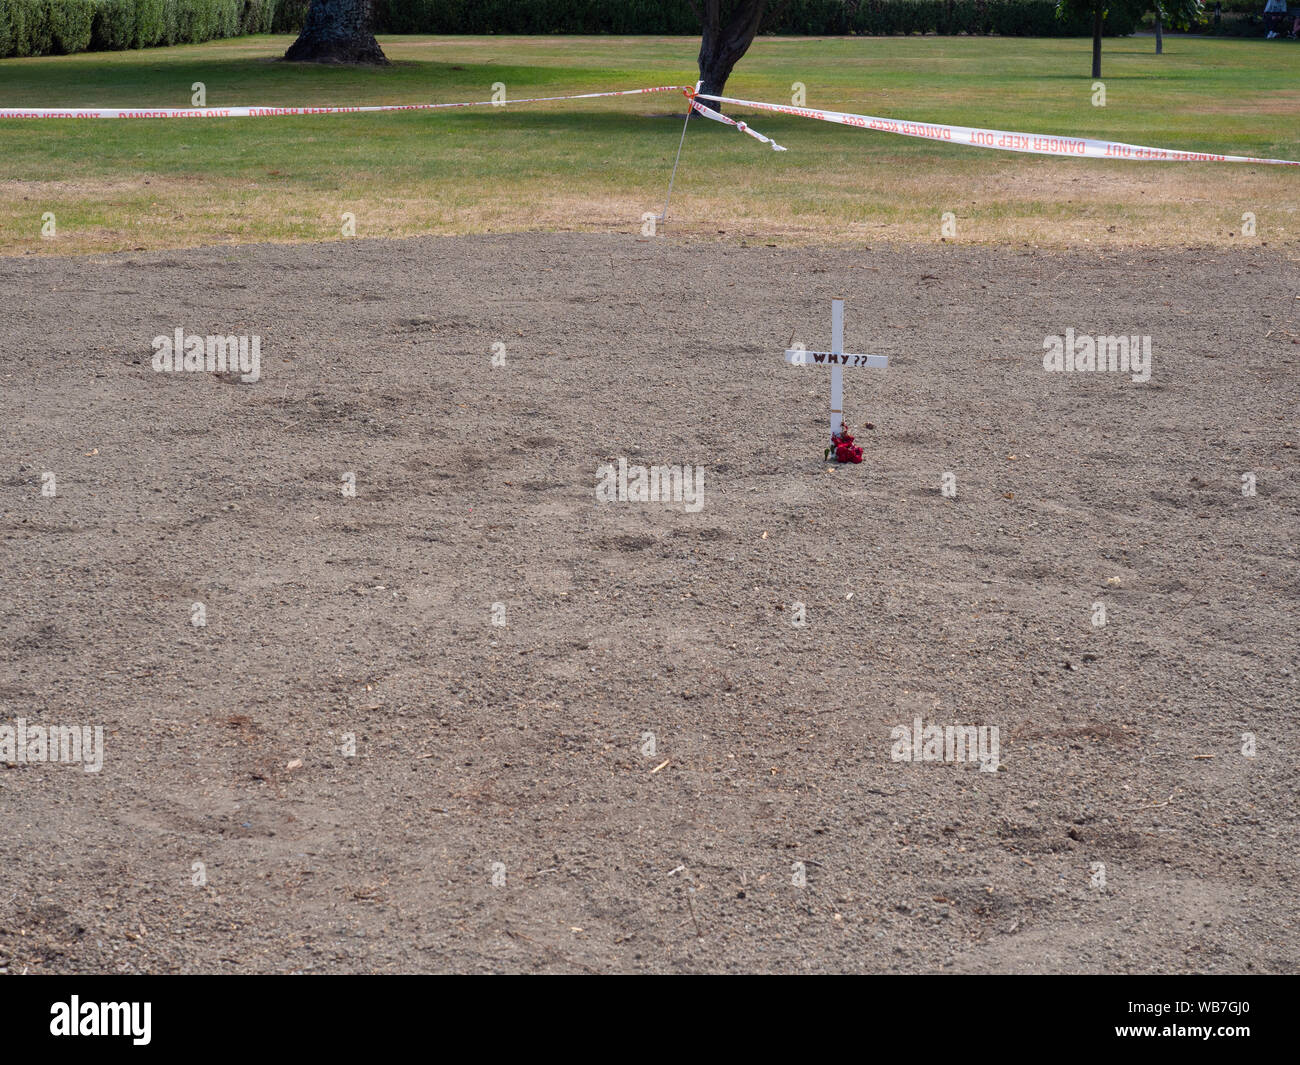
(843, 448)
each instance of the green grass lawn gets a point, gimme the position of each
(599, 165)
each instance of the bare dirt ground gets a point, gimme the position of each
(520, 752)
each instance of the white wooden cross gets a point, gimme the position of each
(836, 359)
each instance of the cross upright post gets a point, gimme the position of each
(837, 371)
(836, 359)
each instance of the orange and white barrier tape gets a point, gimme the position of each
(970, 136)
(1004, 140)
(744, 127)
(266, 112)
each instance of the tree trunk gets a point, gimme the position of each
(337, 31)
(1160, 34)
(723, 43)
(1096, 38)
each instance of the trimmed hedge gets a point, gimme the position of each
(876, 18)
(45, 27)
(289, 16)
(57, 27)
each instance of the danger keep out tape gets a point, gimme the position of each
(270, 112)
(968, 136)
(1004, 140)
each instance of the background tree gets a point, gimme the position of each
(337, 31)
(727, 30)
(1176, 14)
(1098, 11)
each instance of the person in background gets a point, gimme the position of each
(1295, 27)
(1274, 11)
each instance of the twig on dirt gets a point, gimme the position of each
(660, 766)
(691, 903)
(551, 950)
(1191, 599)
(1154, 805)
